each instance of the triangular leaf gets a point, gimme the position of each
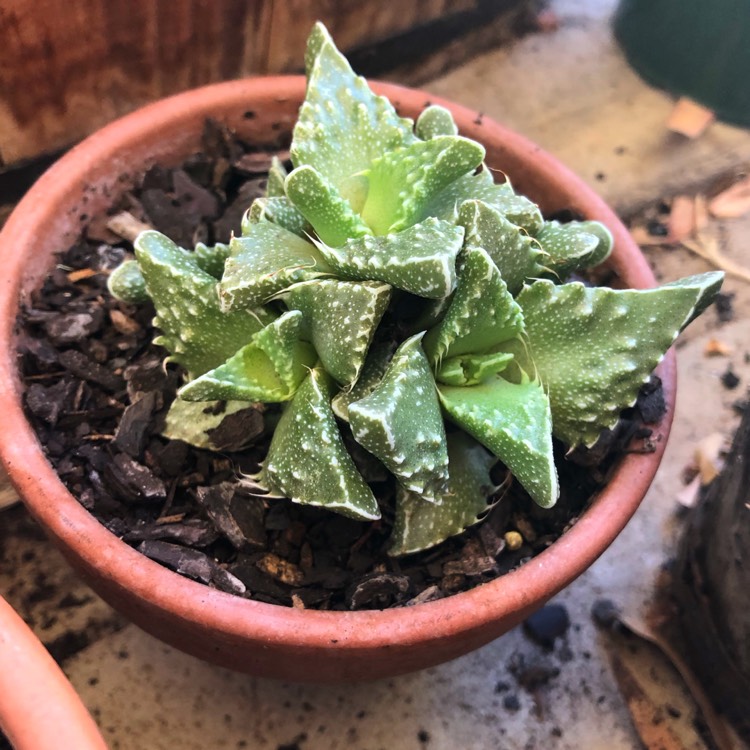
(419, 525)
(198, 335)
(307, 461)
(320, 202)
(434, 121)
(126, 283)
(513, 421)
(472, 369)
(573, 246)
(420, 259)
(400, 422)
(403, 181)
(270, 368)
(482, 313)
(278, 210)
(593, 348)
(264, 262)
(481, 186)
(516, 255)
(276, 178)
(211, 258)
(340, 319)
(196, 422)
(342, 125)
(378, 358)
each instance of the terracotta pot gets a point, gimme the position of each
(39, 710)
(238, 633)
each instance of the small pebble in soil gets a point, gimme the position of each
(729, 380)
(423, 736)
(657, 228)
(511, 702)
(605, 613)
(547, 624)
(513, 540)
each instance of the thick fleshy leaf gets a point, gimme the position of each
(472, 369)
(267, 260)
(196, 422)
(307, 460)
(400, 422)
(434, 121)
(402, 182)
(516, 255)
(420, 260)
(278, 210)
(198, 335)
(481, 186)
(340, 318)
(211, 258)
(269, 369)
(482, 314)
(419, 525)
(126, 283)
(342, 125)
(276, 178)
(331, 215)
(593, 348)
(378, 357)
(573, 246)
(513, 421)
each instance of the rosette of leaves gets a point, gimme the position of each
(388, 291)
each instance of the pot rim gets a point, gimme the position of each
(126, 569)
(39, 709)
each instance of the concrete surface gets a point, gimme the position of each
(571, 91)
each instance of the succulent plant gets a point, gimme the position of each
(389, 293)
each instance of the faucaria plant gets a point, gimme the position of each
(391, 295)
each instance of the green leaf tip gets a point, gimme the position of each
(127, 284)
(340, 319)
(419, 526)
(269, 369)
(420, 260)
(400, 422)
(513, 420)
(307, 460)
(265, 261)
(594, 347)
(481, 315)
(434, 121)
(573, 246)
(198, 335)
(404, 180)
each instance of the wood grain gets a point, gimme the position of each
(68, 68)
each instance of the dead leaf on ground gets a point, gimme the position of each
(717, 348)
(709, 456)
(126, 225)
(681, 218)
(733, 202)
(689, 118)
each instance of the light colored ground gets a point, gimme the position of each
(570, 91)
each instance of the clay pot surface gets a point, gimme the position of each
(250, 636)
(39, 710)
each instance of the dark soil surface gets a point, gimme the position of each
(97, 395)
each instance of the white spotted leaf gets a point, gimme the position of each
(420, 260)
(434, 121)
(573, 246)
(340, 319)
(400, 422)
(307, 460)
(512, 420)
(593, 348)
(419, 525)
(269, 369)
(472, 369)
(265, 261)
(278, 210)
(482, 313)
(403, 181)
(198, 335)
